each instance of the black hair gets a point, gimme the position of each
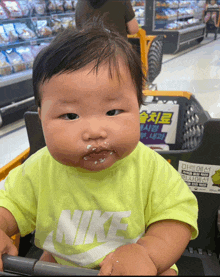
(74, 49)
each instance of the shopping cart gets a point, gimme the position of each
(20, 266)
(191, 140)
(195, 153)
(150, 49)
(212, 20)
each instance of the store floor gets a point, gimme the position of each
(196, 70)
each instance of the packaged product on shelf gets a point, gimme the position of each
(193, 21)
(139, 3)
(39, 7)
(3, 14)
(23, 31)
(50, 6)
(189, 11)
(5, 67)
(162, 3)
(24, 7)
(15, 60)
(56, 25)
(184, 3)
(164, 14)
(67, 5)
(13, 8)
(173, 13)
(170, 13)
(27, 56)
(59, 6)
(172, 26)
(139, 12)
(4, 39)
(42, 29)
(175, 3)
(67, 22)
(11, 33)
(35, 49)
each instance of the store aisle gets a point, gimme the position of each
(13, 141)
(196, 71)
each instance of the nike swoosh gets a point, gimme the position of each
(90, 256)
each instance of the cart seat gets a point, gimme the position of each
(204, 160)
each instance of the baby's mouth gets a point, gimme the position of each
(101, 153)
(98, 155)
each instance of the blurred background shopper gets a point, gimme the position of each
(118, 14)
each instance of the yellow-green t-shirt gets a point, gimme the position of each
(81, 216)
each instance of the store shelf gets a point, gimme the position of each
(178, 29)
(16, 90)
(176, 18)
(33, 41)
(192, 29)
(15, 78)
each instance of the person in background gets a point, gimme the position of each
(211, 15)
(117, 13)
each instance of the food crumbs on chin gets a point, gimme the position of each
(93, 149)
(85, 158)
(89, 146)
(111, 153)
(96, 162)
(102, 160)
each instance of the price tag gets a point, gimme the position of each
(33, 42)
(34, 19)
(54, 16)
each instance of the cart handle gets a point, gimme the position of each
(167, 93)
(32, 267)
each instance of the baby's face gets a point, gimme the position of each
(90, 121)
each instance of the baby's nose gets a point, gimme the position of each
(94, 131)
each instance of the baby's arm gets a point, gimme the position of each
(165, 242)
(161, 247)
(47, 257)
(8, 223)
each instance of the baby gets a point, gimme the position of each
(96, 196)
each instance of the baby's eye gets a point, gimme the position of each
(70, 116)
(114, 112)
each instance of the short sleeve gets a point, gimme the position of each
(170, 197)
(129, 12)
(19, 198)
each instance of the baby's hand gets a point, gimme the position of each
(130, 259)
(6, 247)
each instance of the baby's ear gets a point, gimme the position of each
(39, 112)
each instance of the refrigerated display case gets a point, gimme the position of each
(180, 21)
(26, 26)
